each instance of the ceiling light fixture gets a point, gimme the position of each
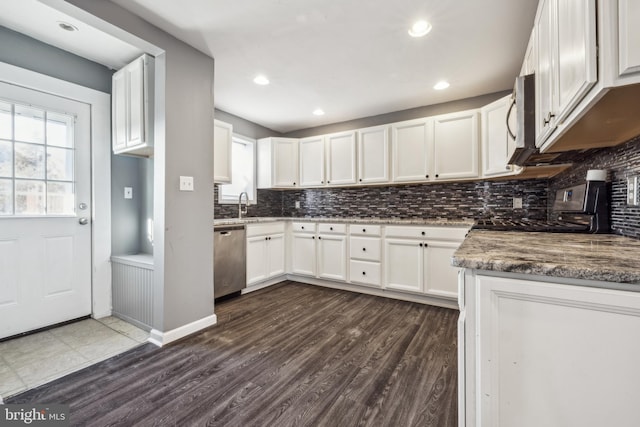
(420, 29)
(261, 80)
(67, 27)
(318, 112)
(441, 85)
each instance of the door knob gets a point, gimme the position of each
(83, 221)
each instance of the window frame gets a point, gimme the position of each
(253, 198)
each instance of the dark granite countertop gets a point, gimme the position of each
(599, 257)
(381, 221)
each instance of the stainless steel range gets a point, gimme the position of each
(582, 208)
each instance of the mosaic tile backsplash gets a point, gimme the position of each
(462, 200)
(621, 161)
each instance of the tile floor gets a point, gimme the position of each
(33, 360)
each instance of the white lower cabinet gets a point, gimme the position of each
(265, 252)
(549, 354)
(440, 278)
(303, 254)
(404, 264)
(365, 255)
(332, 257)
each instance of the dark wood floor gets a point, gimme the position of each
(289, 355)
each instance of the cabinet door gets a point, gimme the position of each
(332, 257)
(529, 64)
(119, 107)
(412, 150)
(285, 162)
(456, 145)
(222, 143)
(303, 254)
(495, 140)
(403, 264)
(373, 155)
(312, 161)
(341, 158)
(628, 37)
(576, 54)
(440, 277)
(540, 343)
(256, 259)
(546, 44)
(136, 112)
(276, 255)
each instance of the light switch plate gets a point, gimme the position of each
(517, 203)
(186, 183)
(128, 192)
(632, 191)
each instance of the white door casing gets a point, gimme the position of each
(47, 260)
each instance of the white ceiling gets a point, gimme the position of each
(40, 22)
(352, 58)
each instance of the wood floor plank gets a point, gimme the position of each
(288, 355)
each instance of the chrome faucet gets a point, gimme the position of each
(246, 205)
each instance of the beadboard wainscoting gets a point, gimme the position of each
(621, 161)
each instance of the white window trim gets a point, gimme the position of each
(254, 199)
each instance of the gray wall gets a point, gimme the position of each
(26, 52)
(183, 250)
(244, 127)
(398, 116)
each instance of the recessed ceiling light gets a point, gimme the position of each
(441, 85)
(318, 112)
(261, 80)
(66, 26)
(420, 28)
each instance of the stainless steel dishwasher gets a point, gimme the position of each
(229, 260)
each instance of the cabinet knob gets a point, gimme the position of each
(321, 182)
(302, 227)
(328, 182)
(364, 230)
(269, 238)
(360, 180)
(364, 249)
(319, 237)
(423, 233)
(364, 273)
(437, 175)
(266, 238)
(426, 245)
(426, 176)
(331, 228)
(294, 183)
(420, 244)
(313, 237)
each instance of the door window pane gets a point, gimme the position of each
(60, 198)
(29, 124)
(29, 161)
(6, 132)
(59, 130)
(6, 159)
(59, 164)
(6, 196)
(30, 197)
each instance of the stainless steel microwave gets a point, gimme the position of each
(523, 105)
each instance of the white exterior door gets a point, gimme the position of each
(45, 212)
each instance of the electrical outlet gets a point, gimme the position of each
(128, 192)
(297, 204)
(517, 203)
(186, 183)
(632, 191)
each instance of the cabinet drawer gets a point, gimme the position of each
(367, 273)
(332, 228)
(365, 229)
(366, 248)
(303, 227)
(263, 229)
(440, 233)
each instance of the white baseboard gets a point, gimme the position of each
(380, 292)
(162, 338)
(102, 314)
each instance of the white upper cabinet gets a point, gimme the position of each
(455, 139)
(277, 163)
(529, 63)
(132, 108)
(341, 158)
(373, 155)
(628, 37)
(497, 147)
(576, 59)
(567, 60)
(222, 143)
(312, 161)
(412, 150)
